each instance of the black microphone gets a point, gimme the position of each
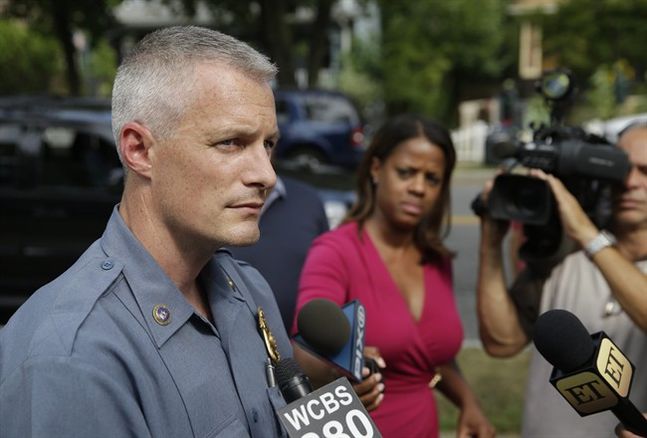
(291, 380)
(335, 335)
(334, 406)
(323, 326)
(590, 371)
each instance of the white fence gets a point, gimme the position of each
(469, 142)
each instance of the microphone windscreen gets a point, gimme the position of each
(562, 339)
(292, 381)
(323, 325)
(286, 369)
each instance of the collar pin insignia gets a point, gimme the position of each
(268, 337)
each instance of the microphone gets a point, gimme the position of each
(332, 410)
(590, 371)
(335, 335)
(292, 382)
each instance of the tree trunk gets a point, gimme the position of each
(61, 15)
(278, 38)
(318, 41)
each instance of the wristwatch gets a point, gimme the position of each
(601, 241)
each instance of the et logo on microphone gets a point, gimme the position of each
(599, 387)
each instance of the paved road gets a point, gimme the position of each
(463, 239)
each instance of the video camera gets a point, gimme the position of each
(587, 165)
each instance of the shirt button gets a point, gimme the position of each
(107, 265)
(255, 415)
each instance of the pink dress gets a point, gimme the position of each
(342, 266)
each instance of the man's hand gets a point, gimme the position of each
(624, 433)
(576, 223)
(371, 390)
(494, 230)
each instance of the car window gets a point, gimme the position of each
(282, 112)
(9, 133)
(331, 109)
(77, 158)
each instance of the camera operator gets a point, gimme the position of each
(603, 281)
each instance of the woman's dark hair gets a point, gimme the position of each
(434, 226)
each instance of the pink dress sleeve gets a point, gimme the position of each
(324, 275)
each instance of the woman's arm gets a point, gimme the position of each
(472, 421)
(325, 275)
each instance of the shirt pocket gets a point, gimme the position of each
(230, 427)
(277, 401)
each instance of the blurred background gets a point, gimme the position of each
(463, 62)
(345, 65)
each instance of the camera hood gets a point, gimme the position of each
(522, 198)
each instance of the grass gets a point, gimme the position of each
(499, 384)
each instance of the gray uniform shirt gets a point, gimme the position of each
(112, 349)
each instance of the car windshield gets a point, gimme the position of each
(330, 109)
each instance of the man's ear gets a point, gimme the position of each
(135, 142)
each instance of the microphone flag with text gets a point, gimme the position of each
(590, 371)
(334, 335)
(334, 410)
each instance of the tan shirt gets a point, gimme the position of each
(578, 286)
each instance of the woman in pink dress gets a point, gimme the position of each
(389, 254)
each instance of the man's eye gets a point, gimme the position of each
(403, 173)
(269, 144)
(229, 143)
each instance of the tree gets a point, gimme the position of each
(60, 18)
(433, 49)
(583, 34)
(28, 60)
(267, 24)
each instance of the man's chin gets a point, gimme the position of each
(245, 239)
(630, 218)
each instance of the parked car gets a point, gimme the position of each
(318, 128)
(60, 178)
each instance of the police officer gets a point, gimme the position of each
(149, 333)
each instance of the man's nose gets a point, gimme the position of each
(260, 171)
(634, 178)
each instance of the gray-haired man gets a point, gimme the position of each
(149, 333)
(604, 284)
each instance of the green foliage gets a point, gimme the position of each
(537, 111)
(601, 96)
(584, 34)
(433, 47)
(28, 61)
(93, 16)
(499, 385)
(60, 19)
(102, 68)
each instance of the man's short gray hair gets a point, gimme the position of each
(154, 84)
(636, 124)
